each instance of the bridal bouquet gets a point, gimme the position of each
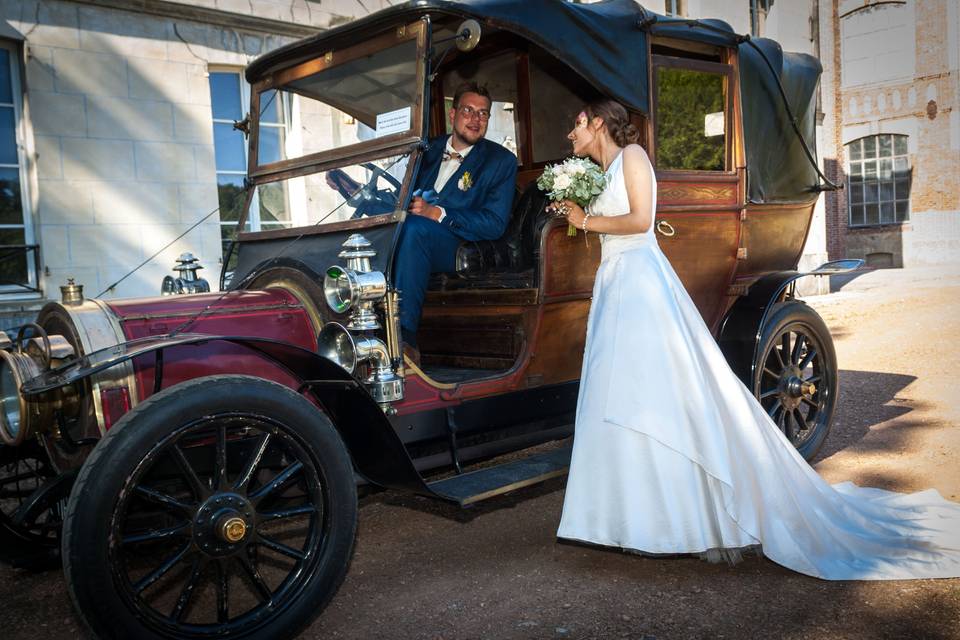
(577, 179)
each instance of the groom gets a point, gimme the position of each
(464, 192)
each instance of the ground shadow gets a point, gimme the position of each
(866, 399)
(839, 281)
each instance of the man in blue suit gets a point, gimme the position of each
(464, 192)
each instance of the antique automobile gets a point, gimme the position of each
(195, 459)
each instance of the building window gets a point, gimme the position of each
(674, 8)
(879, 180)
(18, 253)
(758, 16)
(229, 96)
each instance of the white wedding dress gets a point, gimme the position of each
(672, 453)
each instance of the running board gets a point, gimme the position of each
(472, 487)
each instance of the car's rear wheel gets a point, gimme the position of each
(220, 507)
(795, 377)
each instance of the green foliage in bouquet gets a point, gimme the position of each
(577, 179)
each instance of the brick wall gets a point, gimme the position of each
(917, 95)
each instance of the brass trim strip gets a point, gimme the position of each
(556, 473)
(219, 311)
(409, 368)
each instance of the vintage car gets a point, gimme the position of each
(197, 457)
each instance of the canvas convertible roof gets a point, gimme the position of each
(606, 43)
(589, 38)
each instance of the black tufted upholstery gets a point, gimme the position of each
(508, 262)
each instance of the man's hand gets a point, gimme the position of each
(420, 207)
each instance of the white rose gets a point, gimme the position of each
(578, 169)
(562, 181)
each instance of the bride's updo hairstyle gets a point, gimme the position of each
(617, 120)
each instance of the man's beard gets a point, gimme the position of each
(469, 137)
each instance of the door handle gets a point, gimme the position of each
(665, 229)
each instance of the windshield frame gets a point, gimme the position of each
(333, 158)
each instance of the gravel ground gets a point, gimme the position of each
(424, 570)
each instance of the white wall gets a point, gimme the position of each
(120, 119)
(788, 22)
(878, 45)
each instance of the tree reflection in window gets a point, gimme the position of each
(691, 131)
(879, 180)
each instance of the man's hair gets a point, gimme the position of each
(470, 86)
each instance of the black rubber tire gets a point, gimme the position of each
(19, 546)
(95, 496)
(790, 316)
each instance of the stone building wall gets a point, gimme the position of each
(899, 74)
(119, 143)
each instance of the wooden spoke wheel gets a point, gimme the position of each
(32, 501)
(795, 377)
(223, 507)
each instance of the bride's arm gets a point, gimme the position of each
(637, 177)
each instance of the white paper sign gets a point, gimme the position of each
(393, 122)
(713, 124)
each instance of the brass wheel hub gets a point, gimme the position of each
(223, 524)
(233, 529)
(793, 388)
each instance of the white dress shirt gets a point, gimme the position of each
(449, 166)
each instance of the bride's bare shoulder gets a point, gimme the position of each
(634, 154)
(635, 159)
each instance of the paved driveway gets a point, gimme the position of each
(423, 570)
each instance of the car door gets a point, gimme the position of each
(699, 196)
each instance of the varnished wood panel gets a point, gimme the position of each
(569, 263)
(696, 193)
(558, 351)
(703, 252)
(526, 176)
(480, 297)
(319, 229)
(473, 337)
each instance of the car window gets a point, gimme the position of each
(365, 97)
(499, 75)
(691, 119)
(554, 104)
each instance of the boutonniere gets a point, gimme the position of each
(466, 181)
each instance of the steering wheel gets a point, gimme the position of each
(369, 200)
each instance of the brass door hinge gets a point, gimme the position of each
(742, 253)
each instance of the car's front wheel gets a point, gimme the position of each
(222, 507)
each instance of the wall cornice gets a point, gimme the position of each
(181, 11)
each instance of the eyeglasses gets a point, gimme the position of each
(470, 112)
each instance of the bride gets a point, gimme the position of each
(672, 454)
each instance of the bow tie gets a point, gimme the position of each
(452, 155)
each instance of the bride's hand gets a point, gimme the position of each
(573, 212)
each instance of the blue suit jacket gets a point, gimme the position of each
(482, 211)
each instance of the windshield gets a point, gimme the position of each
(355, 191)
(317, 110)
